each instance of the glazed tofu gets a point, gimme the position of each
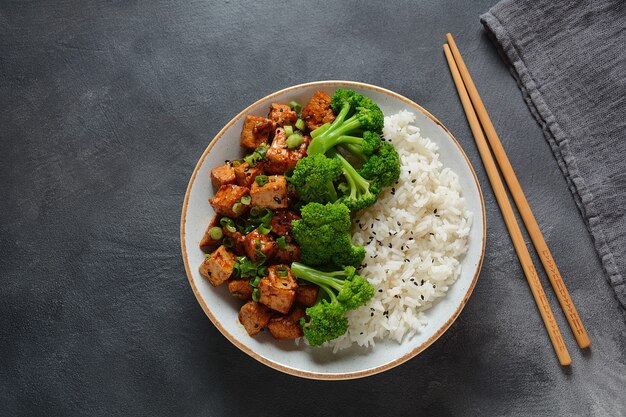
(256, 131)
(254, 317)
(281, 221)
(207, 241)
(219, 266)
(272, 195)
(280, 158)
(255, 242)
(288, 255)
(282, 115)
(317, 111)
(307, 295)
(225, 199)
(238, 238)
(223, 175)
(245, 174)
(278, 289)
(240, 288)
(287, 327)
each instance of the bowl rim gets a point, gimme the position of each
(310, 374)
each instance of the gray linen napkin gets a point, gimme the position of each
(569, 59)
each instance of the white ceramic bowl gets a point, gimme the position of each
(321, 363)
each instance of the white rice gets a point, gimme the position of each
(414, 237)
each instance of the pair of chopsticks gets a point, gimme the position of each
(477, 116)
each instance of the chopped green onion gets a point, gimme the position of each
(288, 130)
(300, 124)
(207, 255)
(228, 223)
(255, 211)
(281, 271)
(295, 106)
(246, 200)
(262, 271)
(235, 163)
(261, 180)
(255, 281)
(256, 294)
(216, 233)
(263, 229)
(262, 150)
(294, 140)
(323, 128)
(282, 242)
(237, 208)
(228, 242)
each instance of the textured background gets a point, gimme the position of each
(105, 107)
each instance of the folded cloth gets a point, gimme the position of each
(569, 60)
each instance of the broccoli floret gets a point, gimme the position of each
(313, 178)
(362, 147)
(355, 114)
(327, 321)
(361, 193)
(383, 167)
(324, 235)
(346, 290)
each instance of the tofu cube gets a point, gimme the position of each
(278, 289)
(207, 242)
(307, 294)
(280, 158)
(281, 221)
(245, 174)
(255, 242)
(282, 115)
(287, 327)
(240, 288)
(254, 317)
(238, 241)
(256, 131)
(272, 195)
(317, 111)
(219, 266)
(289, 254)
(225, 199)
(223, 175)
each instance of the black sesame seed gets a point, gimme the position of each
(411, 238)
(413, 181)
(372, 315)
(422, 296)
(435, 211)
(380, 290)
(390, 246)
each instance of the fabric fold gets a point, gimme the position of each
(569, 61)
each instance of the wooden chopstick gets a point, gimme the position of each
(509, 217)
(567, 304)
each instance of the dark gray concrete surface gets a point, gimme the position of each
(105, 107)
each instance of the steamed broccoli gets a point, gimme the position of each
(324, 237)
(364, 115)
(313, 178)
(346, 290)
(360, 192)
(383, 167)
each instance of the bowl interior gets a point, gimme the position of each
(301, 360)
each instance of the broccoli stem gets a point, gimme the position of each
(358, 184)
(333, 135)
(323, 279)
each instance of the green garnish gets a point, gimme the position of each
(216, 233)
(261, 180)
(282, 242)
